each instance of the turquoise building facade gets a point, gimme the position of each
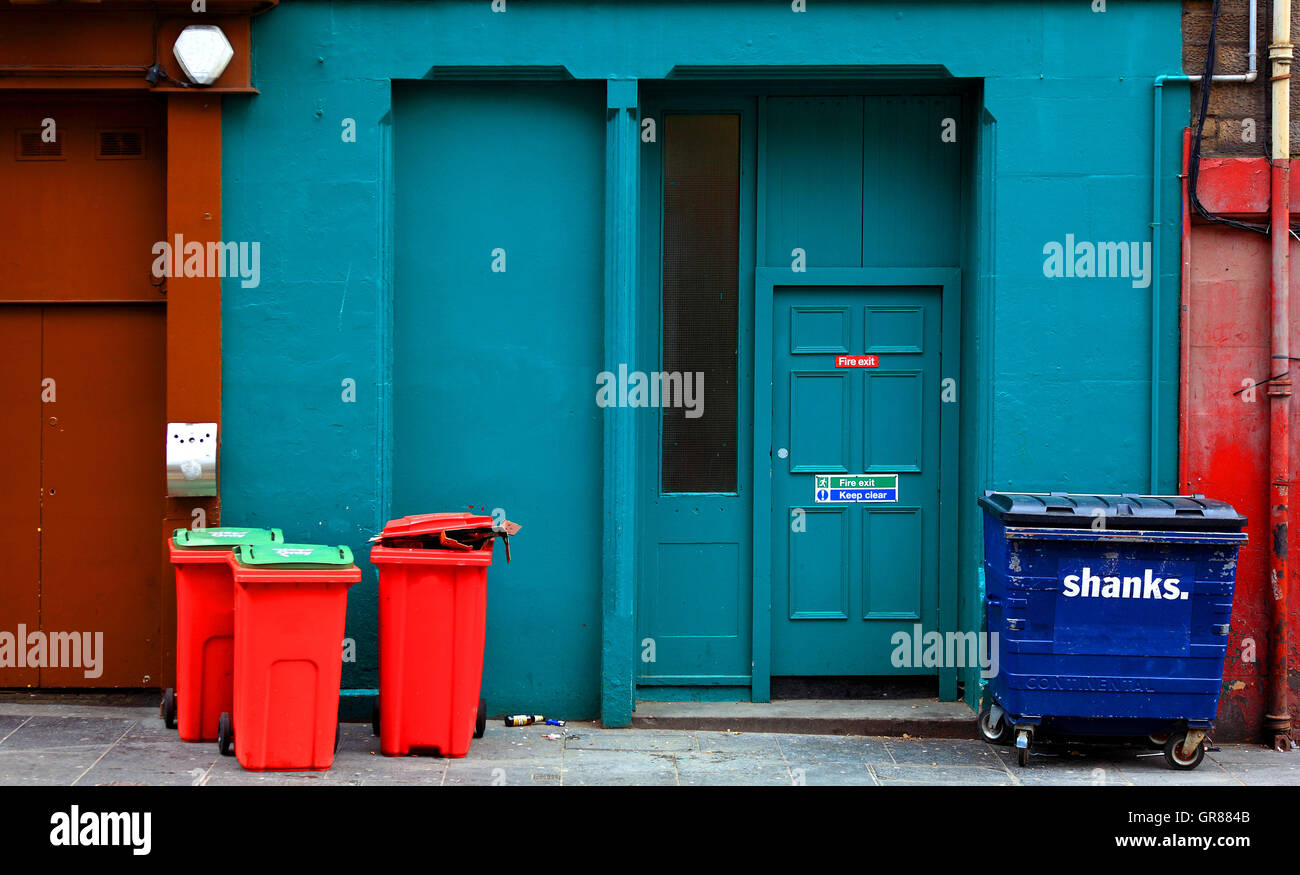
(470, 211)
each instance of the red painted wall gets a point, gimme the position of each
(1225, 445)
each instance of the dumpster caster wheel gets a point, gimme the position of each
(480, 721)
(1179, 757)
(1158, 740)
(1023, 739)
(225, 734)
(994, 727)
(167, 711)
(374, 718)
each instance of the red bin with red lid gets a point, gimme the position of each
(432, 626)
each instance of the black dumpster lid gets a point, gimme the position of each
(1126, 511)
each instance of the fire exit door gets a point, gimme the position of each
(855, 475)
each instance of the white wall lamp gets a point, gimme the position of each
(203, 52)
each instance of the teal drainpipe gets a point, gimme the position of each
(1156, 146)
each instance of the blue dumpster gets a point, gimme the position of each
(1112, 614)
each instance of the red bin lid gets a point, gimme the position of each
(433, 523)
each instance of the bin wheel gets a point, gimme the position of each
(1024, 738)
(1177, 755)
(225, 734)
(338, 735)
(480, 720)
(374, 717)
(1158, 739)
(994, 730)
(167, 710)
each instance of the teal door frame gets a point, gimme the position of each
(767, 280)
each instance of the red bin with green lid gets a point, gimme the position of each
(205, 626)
(432, 626)
(291, 603)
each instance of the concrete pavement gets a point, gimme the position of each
(87, 745)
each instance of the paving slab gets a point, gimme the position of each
(945, 752)
(804, 749)
(833, 775)
(618, 768)
(9, 723)
(51, 733)
(56, 767)
(137, 761)
(752, 744)
(507, 773)
(709, 770)
(913, 774)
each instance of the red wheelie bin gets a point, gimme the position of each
(291, 603)
(205, 627)
(432, 620)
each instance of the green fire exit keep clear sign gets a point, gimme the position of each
(848, 488)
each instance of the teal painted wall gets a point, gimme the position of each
(492, 389)
(1056, 372)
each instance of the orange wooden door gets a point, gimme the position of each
(82, 444)
(20, 485)
(81, 435)
(102, 482)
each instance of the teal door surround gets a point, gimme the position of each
(690, 575)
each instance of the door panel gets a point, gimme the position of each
(847, 576)
(20, 482)
(102, 483)
(813, 184)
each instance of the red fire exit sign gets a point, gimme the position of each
(857, 361)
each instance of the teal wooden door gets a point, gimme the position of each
(695, 587)
(847, 574)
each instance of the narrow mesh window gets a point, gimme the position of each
(701, 236)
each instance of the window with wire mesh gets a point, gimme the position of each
(701, 234)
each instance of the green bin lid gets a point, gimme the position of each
(293, 555)
(226, 536)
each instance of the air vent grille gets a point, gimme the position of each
(120, 143)
(29, 146)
